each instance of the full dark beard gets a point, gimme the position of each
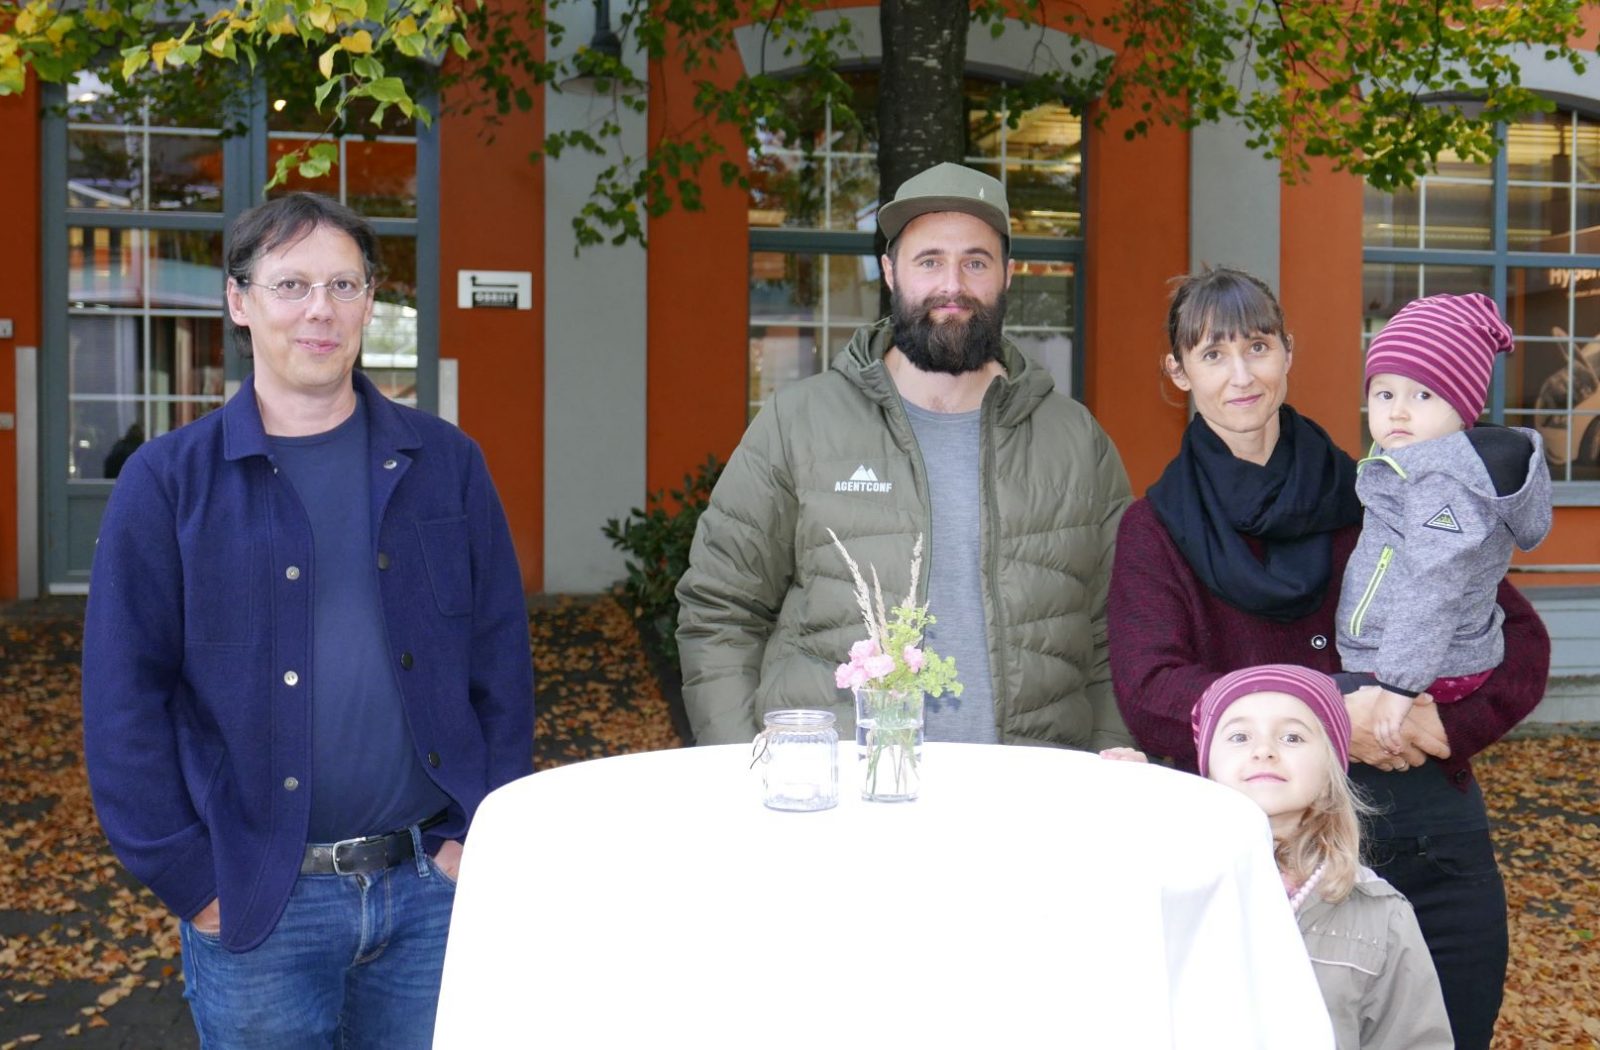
(953, 347)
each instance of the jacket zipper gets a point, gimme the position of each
(989, 561)
(1371, 592)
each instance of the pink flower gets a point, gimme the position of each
(913, 658)
(878, 666)
(842, 675)
(863, 649)
(857, 678)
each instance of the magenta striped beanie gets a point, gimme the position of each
(1447, 343)
(1312, 688)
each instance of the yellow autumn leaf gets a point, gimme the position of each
(13, 78)
(322, 17)
(443, 15)
(325, 62)
(407, 26)
(26, 22)
(218, 45)
(283, 26)
(60, 28)
(159, 52)
(357, 43)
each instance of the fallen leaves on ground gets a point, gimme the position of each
(1544, 800)
(68, 912)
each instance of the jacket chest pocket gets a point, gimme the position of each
(446, 552)
(1347, 950)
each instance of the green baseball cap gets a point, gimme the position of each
(947, 187)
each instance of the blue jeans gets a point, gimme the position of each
(354, 962)
(1454, 885)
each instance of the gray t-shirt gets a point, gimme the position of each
(952, 452)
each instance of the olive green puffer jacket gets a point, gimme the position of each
(768, 607)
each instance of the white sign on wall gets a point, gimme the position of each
(494, 289)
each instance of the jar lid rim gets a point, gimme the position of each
(799, 716)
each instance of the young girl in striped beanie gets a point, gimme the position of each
(1446, 499)
(1280, 734)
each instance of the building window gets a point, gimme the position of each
(814, 278)
(144, 271)
(1524, 230)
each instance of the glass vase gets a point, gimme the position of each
(889, 743)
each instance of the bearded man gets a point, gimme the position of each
(930, 424)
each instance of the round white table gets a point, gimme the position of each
(1030, 897)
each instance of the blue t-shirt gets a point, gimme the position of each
(366, 777)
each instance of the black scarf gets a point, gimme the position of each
(1209, 499)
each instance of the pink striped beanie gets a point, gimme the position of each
(1447, 343)
(1312, 688)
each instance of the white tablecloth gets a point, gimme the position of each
(1031, 897)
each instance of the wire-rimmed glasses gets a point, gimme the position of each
(345, 287)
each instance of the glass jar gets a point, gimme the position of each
(799, 756)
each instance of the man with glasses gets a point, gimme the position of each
(306, 661)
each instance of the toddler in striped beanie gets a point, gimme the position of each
(1446, 500)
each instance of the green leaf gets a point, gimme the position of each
(319, 160)
(321, 94)
(388, 89)
(133, 60)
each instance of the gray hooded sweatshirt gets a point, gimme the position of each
(1418, 601)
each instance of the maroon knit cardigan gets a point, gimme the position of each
(1170, 638)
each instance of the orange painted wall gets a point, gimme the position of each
(1136, 237)
(1319, 264)
(19, 296)
(491, 217)
(698, 275)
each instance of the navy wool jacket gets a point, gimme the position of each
(197, 653)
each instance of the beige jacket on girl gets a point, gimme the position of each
(1375, 971)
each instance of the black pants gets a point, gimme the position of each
(1454, 884)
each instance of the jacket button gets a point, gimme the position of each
(390, 464)
(383, 559)
(1459, 776)
(292, 572)
(290, 678)
(1319, 642)
(290, 783)
(433, 759)
(406, 661)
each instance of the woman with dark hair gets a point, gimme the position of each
(1234, 558)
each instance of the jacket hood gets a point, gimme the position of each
(1526, 512)
(1019, 392)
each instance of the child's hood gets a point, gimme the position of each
(1503, 466)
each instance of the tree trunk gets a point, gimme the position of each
(920, 110)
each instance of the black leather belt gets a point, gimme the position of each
(363, 856)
